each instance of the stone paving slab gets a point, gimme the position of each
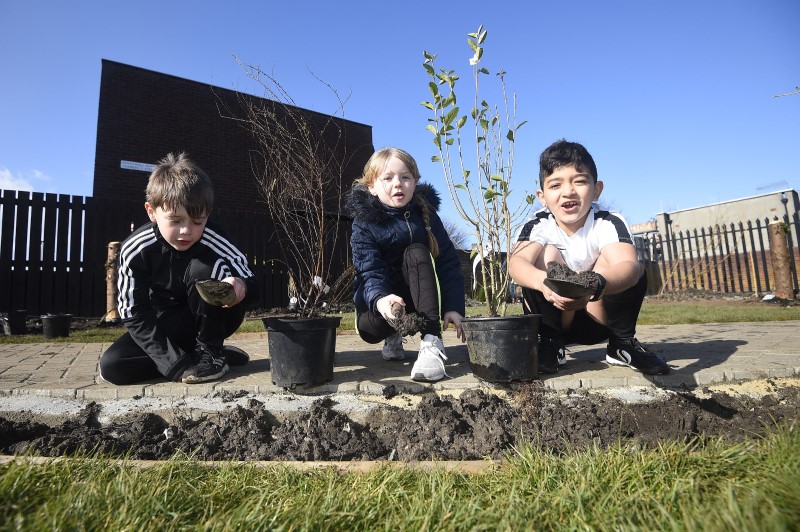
(698, 354)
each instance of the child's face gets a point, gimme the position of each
(569, 194)
(180, 231)
(395, 186)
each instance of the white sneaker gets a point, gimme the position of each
(393, 348)
(429, 366)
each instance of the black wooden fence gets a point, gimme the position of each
(725, 258)
(54, 249)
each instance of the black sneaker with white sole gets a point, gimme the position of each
(212, 366)
(629, 352)
(551, 354)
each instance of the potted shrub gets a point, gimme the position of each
(476, 152)
(299, 167)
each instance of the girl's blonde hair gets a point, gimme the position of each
(375, 167)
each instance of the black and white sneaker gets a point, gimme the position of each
(212, 366)
(629, 352)
(551, 354)
(235, 356)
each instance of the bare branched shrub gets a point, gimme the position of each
(299, 167)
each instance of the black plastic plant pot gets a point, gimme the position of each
(301, 351)
(56, 325)
(15, 322)
(504, 349)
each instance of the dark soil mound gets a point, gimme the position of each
(476, 425)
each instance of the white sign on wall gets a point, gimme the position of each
(142, 167)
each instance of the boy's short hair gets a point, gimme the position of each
(177, 181)
(562, 153)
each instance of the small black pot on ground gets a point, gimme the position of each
(301, 351)
(503, 349)
(56, 325)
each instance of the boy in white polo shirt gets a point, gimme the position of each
(572, 230)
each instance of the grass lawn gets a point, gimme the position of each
(745, 486)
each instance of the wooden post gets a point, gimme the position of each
(111, 283)
(779, 255)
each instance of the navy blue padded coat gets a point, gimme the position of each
(381, 235)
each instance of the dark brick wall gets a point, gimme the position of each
(143, 115)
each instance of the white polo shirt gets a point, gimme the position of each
(581, 250)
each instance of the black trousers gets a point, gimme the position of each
(124, 362)
(622, 312)
(420, 293)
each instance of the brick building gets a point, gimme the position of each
(143, 115)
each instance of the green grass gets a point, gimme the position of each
(675, 313)
(746, 486)
(651, 314)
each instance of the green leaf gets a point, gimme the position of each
(432, 129)
(433, 88)
(510, 135)
(451, 115)
(429, 105)
(472, 45)
(428, 68)
(436, 159)
(484, 70)
(484, 124)
(462, 121)
(450, 141)
(496, 177)
(461, 187)
(482, 34)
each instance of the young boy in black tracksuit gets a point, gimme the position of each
(171, 331)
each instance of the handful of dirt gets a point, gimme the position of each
(217, 293)
(405, 324)
(568, 283)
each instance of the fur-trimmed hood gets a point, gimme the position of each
(362, 205)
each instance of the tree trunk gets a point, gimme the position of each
(111, 283)
(779, 255)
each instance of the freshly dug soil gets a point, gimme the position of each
(473, 426)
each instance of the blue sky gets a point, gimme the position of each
(674, 99)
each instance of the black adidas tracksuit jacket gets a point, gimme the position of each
(151, 282)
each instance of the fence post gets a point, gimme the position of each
(779, 254)
(111, 283)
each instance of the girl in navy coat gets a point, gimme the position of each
(404, 261)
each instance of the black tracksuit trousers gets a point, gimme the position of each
(124, 362)
(420, 293)
(622, 312)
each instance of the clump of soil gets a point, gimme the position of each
(475, 425)
(407, 324)
(568, 283)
